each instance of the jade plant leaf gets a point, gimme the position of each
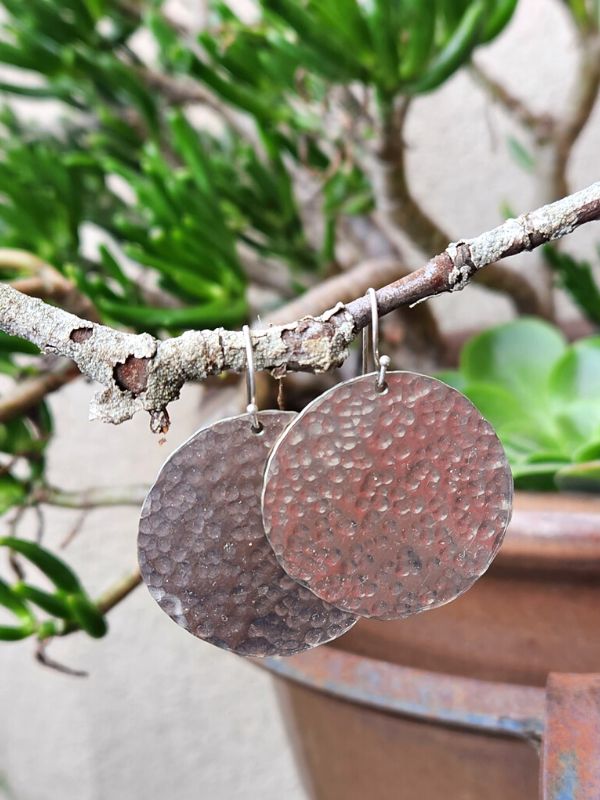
(576, 376)
(517, 356)
(537, 477)
(579, 477)
(589, 452)
(542, 396)
(496, 403)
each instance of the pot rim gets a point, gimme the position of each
(495, 708)
(553, 531)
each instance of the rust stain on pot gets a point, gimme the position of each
(571, 757)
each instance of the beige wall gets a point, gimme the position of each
(163, 716)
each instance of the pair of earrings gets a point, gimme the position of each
(273, 532)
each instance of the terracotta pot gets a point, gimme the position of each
(450, 703)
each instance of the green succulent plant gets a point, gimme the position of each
(542, 395)
(67, 606)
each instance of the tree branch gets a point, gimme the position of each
(341, 288)
(44, 280)
(396, 206)
(574, 117)
(540, 125)
(399, 212)
(140, 372)
(555, 135)
(31, 391)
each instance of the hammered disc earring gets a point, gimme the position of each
(389, 494)
(202, 548)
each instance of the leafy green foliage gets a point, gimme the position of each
(409, 47)
(46, 192)
(23, 442)
(79, 51)
(577, 278)
(198, 198)
(586, 13)
(521, 154)
(543, 398)
(68, 604)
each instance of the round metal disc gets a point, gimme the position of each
(204, 555)
(387, 504)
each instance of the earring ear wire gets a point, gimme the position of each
(381, 363)
(251, 408)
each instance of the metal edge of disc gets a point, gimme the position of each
(373, 375)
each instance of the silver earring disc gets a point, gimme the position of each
(203, 552)
(387, 503)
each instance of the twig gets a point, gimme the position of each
(555, 135)
(91, 498)
(119, 591)
(341, 288)
(541, 125)
(276, 277)
(31, 391)
(44, 659)
(140, 372)
(395, 203)
(106, 602)
(75, 529)
(399, 213)
(519, 288)
(46, 282)
(575, 116)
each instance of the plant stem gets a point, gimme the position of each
(557, 152)
(114, 595)
(119, 591)
(91, 498)
(29, 392)
(540, 125)
(394, 200)
(399, 213)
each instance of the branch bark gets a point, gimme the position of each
(140, 372)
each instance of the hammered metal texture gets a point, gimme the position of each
(204, 555)
(387, 504)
